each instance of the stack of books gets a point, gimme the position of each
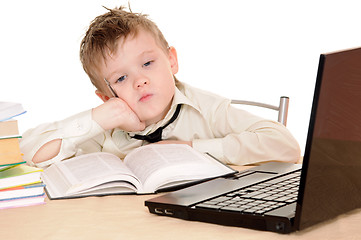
(20, 184)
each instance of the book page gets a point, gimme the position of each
(82, 173)
(161, 164)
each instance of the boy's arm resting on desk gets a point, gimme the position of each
(245, 142)
(242, 138)
(44, 144)
(264, 144)
(49, 143)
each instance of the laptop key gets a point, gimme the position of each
(262, 195)
(250, 210)
(229, 208)
(250, 195)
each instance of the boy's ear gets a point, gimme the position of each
(102, 96)
(173, 60)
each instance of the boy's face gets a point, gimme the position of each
(141, 73)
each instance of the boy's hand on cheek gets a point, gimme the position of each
(115, 113)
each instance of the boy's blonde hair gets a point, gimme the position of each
(103, 34)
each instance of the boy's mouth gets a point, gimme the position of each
(145, 97)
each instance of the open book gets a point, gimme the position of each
(147, 169)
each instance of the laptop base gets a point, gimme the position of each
(183, 203)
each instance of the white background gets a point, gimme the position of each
(255, 50)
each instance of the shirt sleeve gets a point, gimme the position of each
(243, 138)
(73, 132)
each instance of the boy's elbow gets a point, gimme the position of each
(291, 152)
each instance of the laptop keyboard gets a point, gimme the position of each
(260, 198)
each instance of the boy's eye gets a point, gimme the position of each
(121, 79)
(147, 63)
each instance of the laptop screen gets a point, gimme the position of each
(332, 159)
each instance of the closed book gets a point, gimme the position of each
(9, 129)
(9, 110)
(19, 175)
(9, 165)
(22, 202)
(10, 151)
(22, 191)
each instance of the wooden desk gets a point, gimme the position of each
(126, 217)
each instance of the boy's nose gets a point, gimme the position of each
(141, 84)
(141, 81)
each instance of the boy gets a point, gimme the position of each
(132, 67)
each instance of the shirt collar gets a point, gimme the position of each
(180, 98)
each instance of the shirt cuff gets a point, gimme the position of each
(211, 146)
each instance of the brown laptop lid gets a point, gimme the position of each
(333, 150)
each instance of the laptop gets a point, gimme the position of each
(284, 197)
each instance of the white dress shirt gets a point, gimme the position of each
(213, 125)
